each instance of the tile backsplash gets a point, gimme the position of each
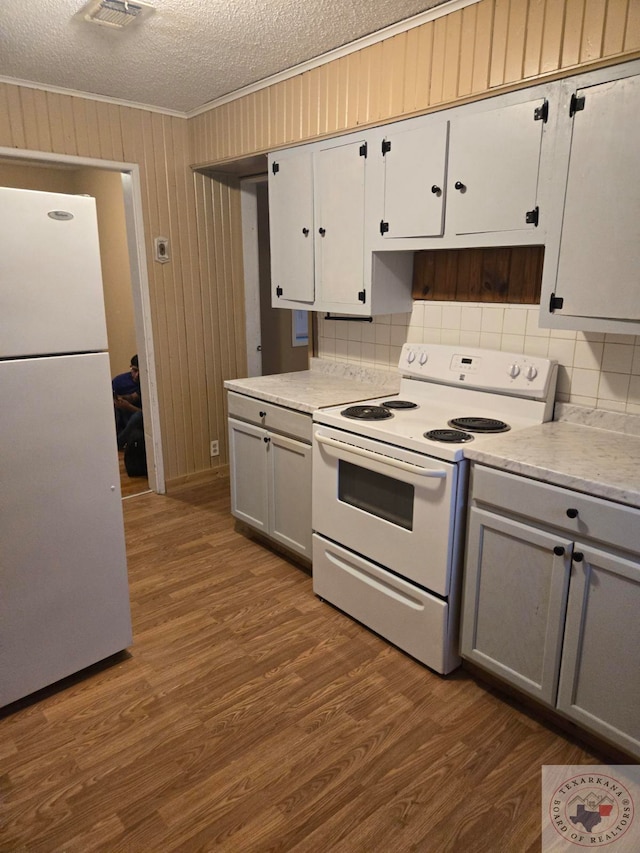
(596, 369)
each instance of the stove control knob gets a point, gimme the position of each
(531, 372)
(423, 358)
(514, 370)
(411, 356)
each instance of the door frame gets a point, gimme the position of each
(132, 196)
(250, 256)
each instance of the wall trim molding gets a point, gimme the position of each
(89, 96)
(337, 53)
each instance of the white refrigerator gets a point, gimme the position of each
(64, 598)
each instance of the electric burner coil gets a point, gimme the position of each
(449, 436)
(367, 413)
(399, 404)
(476, 424)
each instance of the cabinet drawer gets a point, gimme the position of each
(406, 615)
(270, 416)
(581, 516)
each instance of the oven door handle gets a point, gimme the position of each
(380, 458)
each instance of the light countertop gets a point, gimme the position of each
(588, 450)
(325, 384)
(579, 456)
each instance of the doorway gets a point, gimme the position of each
(61, 173)
(276, 339)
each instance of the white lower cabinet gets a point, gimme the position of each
(271, 475)
(600, 673)
(552, 597)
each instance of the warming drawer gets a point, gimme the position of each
(419, 623)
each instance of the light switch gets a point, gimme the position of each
(161, 249)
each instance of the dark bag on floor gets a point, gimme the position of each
(135, 460)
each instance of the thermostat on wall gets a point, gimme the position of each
(161, 249)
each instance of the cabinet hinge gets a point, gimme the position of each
(577, 104)
(278, 291)
(541, 113)
(532, 216)
(362, 296)
(363, 149)
(275, 167)
(386, 146)
(384, 227)
(555, 303)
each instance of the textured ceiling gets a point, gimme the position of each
(188, 52)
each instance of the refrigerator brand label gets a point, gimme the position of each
(60, 214)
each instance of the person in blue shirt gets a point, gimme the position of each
(127, 401)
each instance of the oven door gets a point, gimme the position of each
(395, 507)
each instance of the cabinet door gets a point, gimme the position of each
(414, 181)
(600, 243)
(339, 175)
(248, 468)
(291, 228)
(494, 158)
(600, 677)
(514, 602)
(290, 493)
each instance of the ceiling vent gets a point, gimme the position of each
(113, 13)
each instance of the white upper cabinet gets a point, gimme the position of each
(592, 268)
(291, 227)
(461, 178)
(317, 212)
(339, 181)
(494, 158)
(415, 160)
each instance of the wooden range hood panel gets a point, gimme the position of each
(509, 274)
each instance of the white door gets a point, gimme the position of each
(291, 227)
(339, 175)
(290, 492)
(51, 298)
(64, 601)
(600, 242)
(493, 169)
(600, 677)
(515, 590)
(248, 465)
(414, 182)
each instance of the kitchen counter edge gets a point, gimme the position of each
(308, 390)
(584, 458)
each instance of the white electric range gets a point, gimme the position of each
(390, 487)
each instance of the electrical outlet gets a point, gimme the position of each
(215, 448)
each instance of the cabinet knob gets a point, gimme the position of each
(460, 186)
(262, 414)
(558, 550)
(266, 439)
(572, 513)
(322, 231)
(305, 231)
(578, 556)
(436, 190)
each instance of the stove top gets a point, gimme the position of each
(450, 396)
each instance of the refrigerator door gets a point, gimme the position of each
(64, 601)
(51, 298)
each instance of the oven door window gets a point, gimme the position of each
(376, 494)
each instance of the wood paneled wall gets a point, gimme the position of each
(504, 274)
(484, 48)
(197, 298)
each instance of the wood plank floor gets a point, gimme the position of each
(249, 716)
(130, 485)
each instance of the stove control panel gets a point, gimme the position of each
(488, 370)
